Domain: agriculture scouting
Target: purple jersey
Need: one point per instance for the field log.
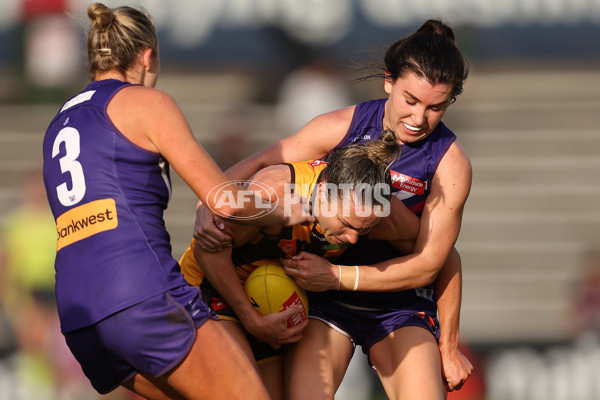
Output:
(411, 174)
(107, 196)
(413, 171)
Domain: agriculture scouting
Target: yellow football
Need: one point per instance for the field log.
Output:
(270, 290)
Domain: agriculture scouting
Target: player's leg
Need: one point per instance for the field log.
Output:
(215, 368)
(315, 366)
(188, 355)
(148, 387)
(408, 364)
(153, 388)
(236, 330)
(271, 372)
(268, 359)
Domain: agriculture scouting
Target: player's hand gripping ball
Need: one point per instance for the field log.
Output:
(271, 290)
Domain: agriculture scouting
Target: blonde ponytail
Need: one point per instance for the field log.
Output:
(117, 36)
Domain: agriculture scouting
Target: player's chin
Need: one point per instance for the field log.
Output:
(334, 240)
(412, 137)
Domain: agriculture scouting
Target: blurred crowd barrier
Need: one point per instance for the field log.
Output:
(558, 372)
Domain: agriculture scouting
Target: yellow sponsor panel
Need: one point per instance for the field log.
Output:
(86, 220)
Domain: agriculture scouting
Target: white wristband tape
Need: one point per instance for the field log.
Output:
(356, 278)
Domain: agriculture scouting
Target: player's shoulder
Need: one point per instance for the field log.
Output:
(457, 157)
(274, 177)
(144, 97)
(454, 172)
(342, 116)
(323, 132)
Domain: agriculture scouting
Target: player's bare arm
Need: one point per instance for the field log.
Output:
(315, 273)
(173, 138)
(433, 241)
(400, 227)
(314, 141)
(456, 368)
(220, 270)
(444, 205)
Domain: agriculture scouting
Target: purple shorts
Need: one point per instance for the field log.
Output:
(151, 337)
(368, 326)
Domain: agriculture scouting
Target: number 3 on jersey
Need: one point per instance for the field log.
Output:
(68, 163)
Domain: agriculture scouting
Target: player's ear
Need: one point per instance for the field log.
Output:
(147, 59)
(322, 192)
(387, 83)
(318, 198)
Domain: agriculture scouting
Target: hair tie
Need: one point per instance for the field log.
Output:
(103, 52)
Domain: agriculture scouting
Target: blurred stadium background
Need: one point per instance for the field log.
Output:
(528, 118)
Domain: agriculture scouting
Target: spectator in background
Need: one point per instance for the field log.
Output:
(312, 89)
(42, 363)
(29, 274)
(234, 128)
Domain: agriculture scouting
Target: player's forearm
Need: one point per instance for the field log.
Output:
(247, 167)
(400, 273)
(221, 273)
(233, 293)
(421, 267)
(448, 289)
